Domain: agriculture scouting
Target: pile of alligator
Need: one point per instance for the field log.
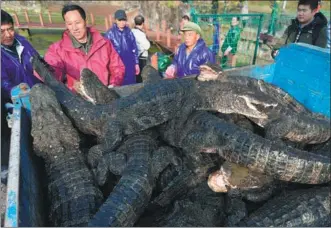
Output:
(206, 150)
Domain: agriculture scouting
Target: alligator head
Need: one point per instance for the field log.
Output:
(209, 72)
(254, 106)
(93, 90)
(150, 75)
(245, 101)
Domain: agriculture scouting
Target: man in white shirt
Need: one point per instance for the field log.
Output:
(143, 43)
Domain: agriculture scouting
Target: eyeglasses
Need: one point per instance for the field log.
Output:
(10, 30)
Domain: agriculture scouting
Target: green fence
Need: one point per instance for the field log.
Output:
(250, 26)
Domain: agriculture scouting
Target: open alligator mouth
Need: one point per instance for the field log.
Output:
(209, 72)
(81, 89)
(262, 108)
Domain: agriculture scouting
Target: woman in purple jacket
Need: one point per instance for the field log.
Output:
(16, 52)
(191, 54)
(125, 44)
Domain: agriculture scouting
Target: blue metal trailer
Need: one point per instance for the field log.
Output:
(301, 70)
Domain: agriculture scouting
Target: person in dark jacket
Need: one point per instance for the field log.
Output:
(191, 54)
(310, 26)
(16, 52)
(124, 42)
(16, 68)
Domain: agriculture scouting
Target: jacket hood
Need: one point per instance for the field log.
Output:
(319, 19)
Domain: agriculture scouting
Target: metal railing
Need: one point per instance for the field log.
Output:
(218, 25)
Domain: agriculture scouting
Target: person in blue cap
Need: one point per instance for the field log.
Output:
(124, 42)
(191, 54)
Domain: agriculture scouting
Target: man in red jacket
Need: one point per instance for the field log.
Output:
(83, 47)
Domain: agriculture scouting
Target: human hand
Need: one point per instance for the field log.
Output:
(137, 69)
(274, 53)
(170, 72)
(226, 53)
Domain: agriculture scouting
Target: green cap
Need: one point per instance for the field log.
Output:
(190, 26)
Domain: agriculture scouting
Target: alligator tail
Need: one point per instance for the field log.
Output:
(73, 195)
(131, 195)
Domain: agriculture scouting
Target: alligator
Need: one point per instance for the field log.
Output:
(115, 162)
(299, 125)
(139, 166)
(150, 75)
(299, 208)
(205, 132)
(93, 90)
(152, 105)
(73, 196)
(289, 120)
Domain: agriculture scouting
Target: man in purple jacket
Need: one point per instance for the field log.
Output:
(16, 52)
(125, 44)
(15, 68)
(191, 54)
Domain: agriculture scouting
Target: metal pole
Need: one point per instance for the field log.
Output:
(258, 38)
(284, 4)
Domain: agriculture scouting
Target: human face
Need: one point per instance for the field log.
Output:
(184, 21)
(305, 14)
(7, 34)
(191, 38)
(76, 25)
(234, 21)
(121, 23)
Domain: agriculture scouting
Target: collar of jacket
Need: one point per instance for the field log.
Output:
(199, 44)
(15, 43)
(77, 44)
(319, 19)
(18, 48)
(97, 41)
(116, 28)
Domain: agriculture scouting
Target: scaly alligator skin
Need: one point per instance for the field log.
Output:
(235, 210)
(115, 162)
(204, 132)
(153, 105)
(200, 207)
(93, 90)
(194, 171)
(131, 195)
(299, 208)
(74, 197)
(290, 119)
(150, 75)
